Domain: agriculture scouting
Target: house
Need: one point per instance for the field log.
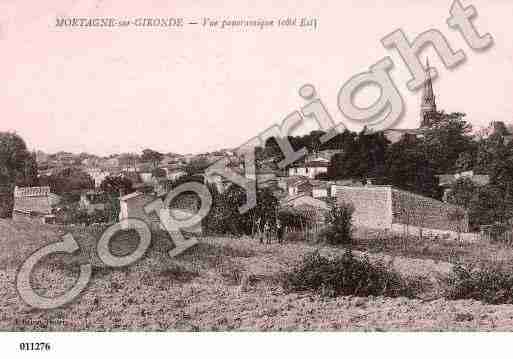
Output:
(497, 128)
(265, 177)
(112, 162)
(35, 201)
(385, 207)
(146, 177)
(298, 185)
(174, 174)
(92, 201)
(396, 134)
(447, 180)
(320, 189)
(133, 177)
(325, 154)
(133, 204)
(310, 168)
(302, 200)
(65, 158)
(313, 207)
(168, 160)
(344, 183)
(98, 175)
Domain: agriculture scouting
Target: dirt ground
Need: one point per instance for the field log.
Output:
(220, 284)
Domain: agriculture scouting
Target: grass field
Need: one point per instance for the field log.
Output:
(233, 284)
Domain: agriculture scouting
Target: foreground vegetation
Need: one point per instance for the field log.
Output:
(350, 275)
(227, 283)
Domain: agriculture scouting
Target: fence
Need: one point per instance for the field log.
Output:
(496, 232)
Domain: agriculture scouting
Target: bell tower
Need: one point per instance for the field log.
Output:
(428, 104)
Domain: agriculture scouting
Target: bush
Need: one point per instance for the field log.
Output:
(348, 275)
(340, 230)
(490, 284)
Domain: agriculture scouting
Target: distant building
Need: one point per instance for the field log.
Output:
(428, 113)
(495, 128)
(320, 189)
(297, 185)
(302, 200)
(91, 201)
(35, 201)
(174, 174)
(313, 207)
(428, 110)
(310, 168)
(446, 181)
(98, 175)
(325, 154)
(146, 177)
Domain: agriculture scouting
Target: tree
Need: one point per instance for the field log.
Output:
(363, 156)
(224, 216)
(17, 167)
(340, 220)
(487, 206)
(465, 162)
(158, 173)
(408, 168)
(68, 180)
(149, 155)
(196, 166)
(114, 185)
(461, 193)
(128, 159)
(449, 136)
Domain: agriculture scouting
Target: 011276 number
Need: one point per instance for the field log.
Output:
(35, 346)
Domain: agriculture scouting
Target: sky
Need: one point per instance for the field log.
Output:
(193, 89)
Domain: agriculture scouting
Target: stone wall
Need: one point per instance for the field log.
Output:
(415, 210)
(372, 205)
(381, 207)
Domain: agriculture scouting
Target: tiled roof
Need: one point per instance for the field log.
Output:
(449, 179)
(32, 191)
(291, 181)
(130, 195)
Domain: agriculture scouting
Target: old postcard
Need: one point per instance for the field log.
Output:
(242, 166)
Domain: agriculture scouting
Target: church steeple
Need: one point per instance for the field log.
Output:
(428, 105)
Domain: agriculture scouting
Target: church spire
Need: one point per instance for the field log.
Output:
(428, 105)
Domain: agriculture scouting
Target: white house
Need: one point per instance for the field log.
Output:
(98, 175)
(310, 168)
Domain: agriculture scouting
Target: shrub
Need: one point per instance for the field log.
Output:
(491, 284)
(339, 218)
(347, 275)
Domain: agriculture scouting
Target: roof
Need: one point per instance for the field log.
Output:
(320, 184)
(32, 191)
(130, 196)
(318, 162)
(132, 176)
(449, 179)
(144, 167)
(295, 180)
(302, 201)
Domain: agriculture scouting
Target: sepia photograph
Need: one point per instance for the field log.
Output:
(319, 169)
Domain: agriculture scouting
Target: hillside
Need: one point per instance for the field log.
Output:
(221, 284)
